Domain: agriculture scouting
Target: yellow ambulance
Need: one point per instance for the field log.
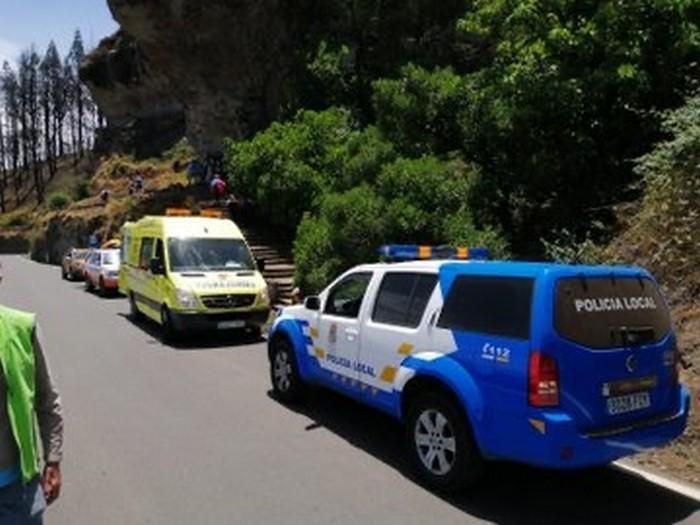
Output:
(192, 273)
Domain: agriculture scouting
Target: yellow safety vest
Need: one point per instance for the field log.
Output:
(18, 367)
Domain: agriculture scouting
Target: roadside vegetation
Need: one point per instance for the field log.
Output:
(511, 124)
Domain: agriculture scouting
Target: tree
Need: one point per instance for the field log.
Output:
(10, 89)
(68, 123)
(568, 98)
(75, 58)
(50, 87)
(30, 116)
(3, 168)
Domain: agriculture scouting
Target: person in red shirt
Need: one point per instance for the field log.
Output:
(219, 187)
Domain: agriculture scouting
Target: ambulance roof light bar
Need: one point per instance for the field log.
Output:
(413, 252)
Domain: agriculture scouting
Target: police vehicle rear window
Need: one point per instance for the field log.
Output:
(402, 298)
(610, 312)
(498, 306)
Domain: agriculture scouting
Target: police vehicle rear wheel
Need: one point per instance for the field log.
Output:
(286, 382)
(440, 443)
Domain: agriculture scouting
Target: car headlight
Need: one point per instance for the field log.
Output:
(186, 299)
(264, 295)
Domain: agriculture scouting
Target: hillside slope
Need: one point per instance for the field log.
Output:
(662, 233)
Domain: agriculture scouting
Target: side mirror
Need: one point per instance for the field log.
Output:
(312, 303)
(157, 267)
(260, 263)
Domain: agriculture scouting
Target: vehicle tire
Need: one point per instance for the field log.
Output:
(284, 372)
(64, 274)
(134, 313)
(170, 333)
(88, 284)
(440, 443)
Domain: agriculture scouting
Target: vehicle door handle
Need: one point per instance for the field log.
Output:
(351, 334)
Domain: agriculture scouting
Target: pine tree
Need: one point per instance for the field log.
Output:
(29, 116)
(76, 56)
(3, 167)
(10, 89)
(50, 87)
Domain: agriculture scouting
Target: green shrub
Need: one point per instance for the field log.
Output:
(347, 231)
(421, 194)
(287, 167)
(59, 200)
(315, 262)
(460, 231)
(14, 220)
(81, 190)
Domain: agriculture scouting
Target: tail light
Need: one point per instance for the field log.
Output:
(543, 381)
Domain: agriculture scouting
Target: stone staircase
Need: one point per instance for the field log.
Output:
(279, 266)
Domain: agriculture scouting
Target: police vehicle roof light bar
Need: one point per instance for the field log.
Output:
(412, 252)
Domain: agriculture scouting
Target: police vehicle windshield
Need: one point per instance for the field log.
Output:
(208, 255)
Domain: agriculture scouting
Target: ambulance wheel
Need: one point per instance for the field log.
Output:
(440, 443)
(284, 373)
(134, 312)
(170, 333)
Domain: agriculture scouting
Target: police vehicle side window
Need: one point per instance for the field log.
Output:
(402, 298)
(146, 253)
(498, 306)
(345, 299)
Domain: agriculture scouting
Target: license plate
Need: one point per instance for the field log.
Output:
(228, 325)
(628, 403)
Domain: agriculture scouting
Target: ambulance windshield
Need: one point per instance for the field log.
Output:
(208, 255)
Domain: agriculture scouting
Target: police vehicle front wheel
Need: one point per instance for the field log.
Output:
(284, 374)
(441, 444)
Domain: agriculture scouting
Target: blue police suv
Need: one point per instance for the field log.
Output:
(553, 365)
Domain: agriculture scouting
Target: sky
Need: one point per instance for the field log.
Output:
(27, 22)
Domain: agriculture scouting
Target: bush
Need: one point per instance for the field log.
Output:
(347, 231)
(422, 194)
(59, 200)
(287, 167)
(81, 190)
(14, 220)
(351, 226)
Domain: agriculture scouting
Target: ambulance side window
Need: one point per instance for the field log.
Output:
(146, 253)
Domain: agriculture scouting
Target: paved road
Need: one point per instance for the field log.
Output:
(162, 435)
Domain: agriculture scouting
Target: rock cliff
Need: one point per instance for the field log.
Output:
(227, 68)
(221, 63)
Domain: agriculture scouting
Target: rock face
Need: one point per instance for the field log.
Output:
(143, 117)
(226, 64)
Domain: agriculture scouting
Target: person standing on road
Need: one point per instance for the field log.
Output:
(27, 393)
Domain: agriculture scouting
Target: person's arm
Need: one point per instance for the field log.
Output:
(50, 417)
